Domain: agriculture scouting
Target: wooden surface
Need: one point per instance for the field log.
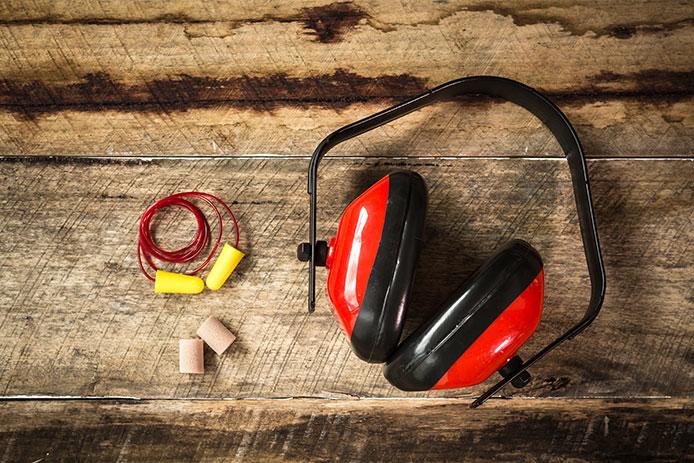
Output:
(325, 430)
(106, 106)
(82, 320)
(107, 77)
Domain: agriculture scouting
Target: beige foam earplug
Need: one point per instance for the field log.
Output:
(216, 335)
(190, 356)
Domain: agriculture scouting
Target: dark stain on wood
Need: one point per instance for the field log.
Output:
(664, 83)
(650, 85)
(627, 31)
(327, 23)
(99, 21)
(99, 91)
(330, 22)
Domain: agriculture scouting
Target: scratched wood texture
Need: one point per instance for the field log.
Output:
(80, 319)
(210, 77)
(350, 430)
(245, 92)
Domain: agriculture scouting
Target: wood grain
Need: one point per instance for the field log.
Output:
(119, 78)
(248, 89)
(347, 430)
(78, 319)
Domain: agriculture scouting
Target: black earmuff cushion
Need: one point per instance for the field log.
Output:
(381, 316)
(426, 355)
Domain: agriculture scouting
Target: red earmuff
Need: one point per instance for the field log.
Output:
(480, 327)
(371, 265)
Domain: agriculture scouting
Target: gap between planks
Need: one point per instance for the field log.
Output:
(281, 157)
(342, 397)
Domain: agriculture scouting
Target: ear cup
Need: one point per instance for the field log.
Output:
(381, 317)
(478, 329)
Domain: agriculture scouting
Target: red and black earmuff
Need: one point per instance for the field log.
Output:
(372, 260)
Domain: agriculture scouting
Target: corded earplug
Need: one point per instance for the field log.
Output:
(225, 264)
(169, 282)
(148, 252)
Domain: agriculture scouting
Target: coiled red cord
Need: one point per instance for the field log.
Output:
(147, 248)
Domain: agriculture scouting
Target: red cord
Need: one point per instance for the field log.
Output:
(147, 248)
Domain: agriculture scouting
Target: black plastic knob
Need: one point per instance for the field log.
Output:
(303, 252)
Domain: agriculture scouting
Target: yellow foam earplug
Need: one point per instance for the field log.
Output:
(227, 261)
(169, 282)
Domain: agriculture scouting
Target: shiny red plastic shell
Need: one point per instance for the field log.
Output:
(500, 341)
(352, 252)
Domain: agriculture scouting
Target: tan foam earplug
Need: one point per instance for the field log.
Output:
(190, 356)
(216, 335)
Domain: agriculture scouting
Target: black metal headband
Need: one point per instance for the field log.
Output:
(562, 130)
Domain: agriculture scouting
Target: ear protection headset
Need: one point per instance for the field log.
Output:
(372, 259)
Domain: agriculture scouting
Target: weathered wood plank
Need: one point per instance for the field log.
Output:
(620, 18)
(348, 430)
(77, 318)
(185, 78)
